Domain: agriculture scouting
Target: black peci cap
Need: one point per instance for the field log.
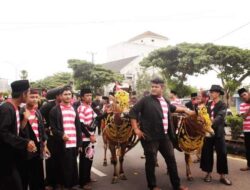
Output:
(105, 98)
(34, 91)
(52, 93)
(20, 85)
(193, 95)
(85, 91)
(157, 80)
(173, 92)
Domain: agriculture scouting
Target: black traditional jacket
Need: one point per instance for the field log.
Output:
(10, 141)
(149, 110)
(45, 109)
(56, 123)
(219, 114)
(27, 132)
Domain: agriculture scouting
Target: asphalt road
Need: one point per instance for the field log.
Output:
(134, 170)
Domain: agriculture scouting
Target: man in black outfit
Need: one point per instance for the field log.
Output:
(156, 132)
(97, 107)
(66, 129)
(192, 104)
(53, 99)
(217, 112)
(10, 141)
(32, 127)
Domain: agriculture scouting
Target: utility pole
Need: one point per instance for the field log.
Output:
(92, 56)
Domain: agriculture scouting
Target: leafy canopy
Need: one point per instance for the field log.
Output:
(232, 64)
(56, 80)
(88, 74)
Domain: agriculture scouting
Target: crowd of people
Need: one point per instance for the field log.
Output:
(60, 129)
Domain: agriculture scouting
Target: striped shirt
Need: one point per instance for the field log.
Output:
(176, 102)
(69, 116)
(164, 107)
(86, 115)
(34, 123)
(212, 109)
(17, 121)
(244, 107)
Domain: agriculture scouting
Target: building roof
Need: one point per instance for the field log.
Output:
(117, 65)
(148, 34)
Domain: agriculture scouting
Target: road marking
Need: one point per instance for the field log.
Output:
(94, 170)
(98, 172)
(237, 159)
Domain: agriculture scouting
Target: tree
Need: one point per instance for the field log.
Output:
(101, 77)
(181, 89)
(81, 72)
(176, 63)
(86, 74)
(56, 80)
(231, 64)
(24, 74)
(143, 83)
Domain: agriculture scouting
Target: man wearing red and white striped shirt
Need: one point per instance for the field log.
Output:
(156, 132)
(32, 127)
(65, 125)
(174, 100)
(87, 116)
(245, 113)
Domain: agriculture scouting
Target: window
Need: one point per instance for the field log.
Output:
(129, 77)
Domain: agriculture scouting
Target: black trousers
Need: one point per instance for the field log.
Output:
(166, 149)
(31, 172)
(207, 155)
(85, 165)
(247, 145)
(99, 121)
(51, 164)
(11, 181)
(68, 173)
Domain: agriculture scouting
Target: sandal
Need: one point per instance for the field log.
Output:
(245, 169)
(208, 178)
(225, 181)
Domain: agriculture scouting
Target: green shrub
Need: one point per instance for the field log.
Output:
(235, 123)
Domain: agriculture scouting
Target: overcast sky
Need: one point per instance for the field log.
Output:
(40, 36)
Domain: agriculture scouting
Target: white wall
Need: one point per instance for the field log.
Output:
(125, 50)
(133, 69)
(151, 41)
(4, 85)
(139, 47)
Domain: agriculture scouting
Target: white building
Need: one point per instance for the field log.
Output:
(139, 45)
(4, 87)
(125, 57)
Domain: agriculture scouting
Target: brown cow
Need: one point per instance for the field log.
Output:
(191, 131)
